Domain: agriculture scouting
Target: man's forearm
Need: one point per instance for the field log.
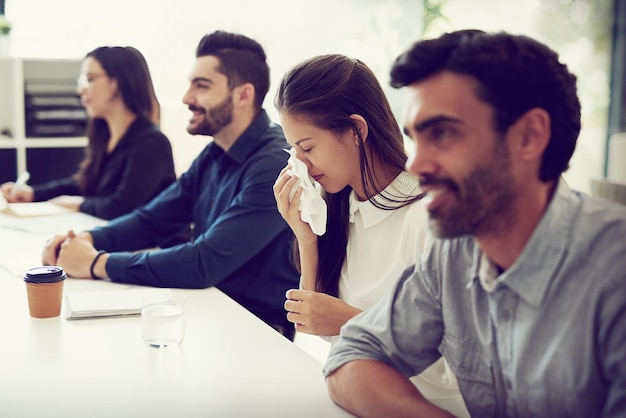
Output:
(369, 388)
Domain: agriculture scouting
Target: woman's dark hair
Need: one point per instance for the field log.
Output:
(515, 74)
(128, 67)
(327, 90)
(242, 60)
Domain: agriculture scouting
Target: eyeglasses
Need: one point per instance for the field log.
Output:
(85, 80)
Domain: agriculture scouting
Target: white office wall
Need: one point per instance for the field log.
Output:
(374, 31)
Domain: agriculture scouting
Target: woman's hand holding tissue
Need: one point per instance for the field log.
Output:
(288, 194)
(311, 205)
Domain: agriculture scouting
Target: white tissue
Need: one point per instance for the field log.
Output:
(312, 206)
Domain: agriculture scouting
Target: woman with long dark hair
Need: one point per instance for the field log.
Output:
(128, 160)
(336, 117)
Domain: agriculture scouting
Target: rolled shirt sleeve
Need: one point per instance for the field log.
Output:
(380, 332)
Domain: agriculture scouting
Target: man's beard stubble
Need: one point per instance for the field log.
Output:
(482, 199)
(215, 119)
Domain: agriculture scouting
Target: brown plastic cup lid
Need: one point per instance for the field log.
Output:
(45, 274)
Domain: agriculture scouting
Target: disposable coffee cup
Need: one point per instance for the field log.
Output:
(44, 287)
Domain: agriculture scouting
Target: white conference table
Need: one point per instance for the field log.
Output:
(231, 364)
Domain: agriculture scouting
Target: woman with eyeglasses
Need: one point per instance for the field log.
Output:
(128, 160)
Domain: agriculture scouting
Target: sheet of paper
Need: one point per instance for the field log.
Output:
(51, 224)
(20, 251)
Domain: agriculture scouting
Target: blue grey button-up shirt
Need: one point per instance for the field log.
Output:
(548, 341)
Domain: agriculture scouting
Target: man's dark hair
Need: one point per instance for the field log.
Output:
(515, 74)
(242, 60)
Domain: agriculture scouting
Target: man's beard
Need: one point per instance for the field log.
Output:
(215, 119)
(482, 198)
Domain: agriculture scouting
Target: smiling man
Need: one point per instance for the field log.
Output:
(524, 295)
(240, 242)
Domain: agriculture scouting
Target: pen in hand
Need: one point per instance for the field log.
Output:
(21, 181)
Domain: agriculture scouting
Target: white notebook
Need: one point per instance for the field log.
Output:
(112, 303)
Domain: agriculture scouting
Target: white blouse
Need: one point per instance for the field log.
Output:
(382, 243)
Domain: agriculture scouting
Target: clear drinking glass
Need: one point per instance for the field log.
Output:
(163, 323)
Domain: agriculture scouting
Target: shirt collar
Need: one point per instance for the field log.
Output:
(249, 139)
(135, 126)
(488, 273)
(403, 186)
(542, 256)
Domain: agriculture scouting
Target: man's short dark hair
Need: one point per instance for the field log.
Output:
(515, 74)
(242, 60)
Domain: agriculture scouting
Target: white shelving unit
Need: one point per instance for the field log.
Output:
(15, 75)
